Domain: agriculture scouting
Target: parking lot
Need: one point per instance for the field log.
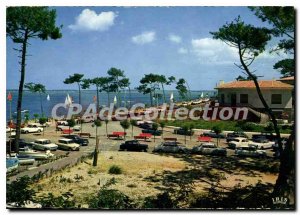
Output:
(112, 144)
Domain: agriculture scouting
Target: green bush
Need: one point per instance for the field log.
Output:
(114, 169)
(65, 201)
(19, 191)
(161, 201)
(110, 198)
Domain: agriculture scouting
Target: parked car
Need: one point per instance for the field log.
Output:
(44, 144)
(238, 142)
(35, 154)
(77, 128)
(47, 124)
(209, 149)
(153, 132)
(62, 127)
(213, 134)
(62, 122)
(77, 139)
(262, 144)
(133, 145)
(32, 129)
(68, 144)
(231, 136)
(145, 126)
(249, 151)
(170, 147)
(181, 131)
(8, 129)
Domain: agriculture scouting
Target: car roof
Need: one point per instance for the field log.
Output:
(65, 139)
(41, 139)
(207, 144)
(240, 138)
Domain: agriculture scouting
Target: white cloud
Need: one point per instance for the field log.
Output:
(174, 38)
(89, 20)
(209, 50)
(143, 38)
(182, 51)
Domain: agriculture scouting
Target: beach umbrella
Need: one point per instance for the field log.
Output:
(171, 97)
(48, 97)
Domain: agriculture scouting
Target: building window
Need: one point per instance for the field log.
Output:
(244, 98)
(276, 99)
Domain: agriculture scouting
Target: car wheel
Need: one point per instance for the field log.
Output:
(26, 132)
(39, 131)
(145, 150)
(262, 148)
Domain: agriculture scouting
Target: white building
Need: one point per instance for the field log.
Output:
(277, 94)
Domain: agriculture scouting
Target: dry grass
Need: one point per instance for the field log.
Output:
(137, 168)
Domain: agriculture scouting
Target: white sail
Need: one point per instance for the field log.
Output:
(115, 100)
(68, 101)
(171, 97)
(202, 95)
(48, 97)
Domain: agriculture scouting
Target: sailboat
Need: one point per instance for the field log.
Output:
(68, 101)
(48, 97)
(172, 98)
(115, 100)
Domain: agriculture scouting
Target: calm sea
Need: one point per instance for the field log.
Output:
(31, 101)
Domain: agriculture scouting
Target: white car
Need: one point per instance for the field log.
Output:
(263, 144)
(47, 124)
(249, 151)
(62, 127)
(62, 123)
(35, 154)
(44, 144)
(8, 129)
(68, 144)
(32, 129)
(209, 149)
(238, 142)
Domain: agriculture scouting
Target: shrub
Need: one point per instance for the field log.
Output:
(19, 191)
(64, 201)
(110, 198)
(162, 200)
(114, 169)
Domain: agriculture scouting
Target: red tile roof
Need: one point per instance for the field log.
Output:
(270, 84)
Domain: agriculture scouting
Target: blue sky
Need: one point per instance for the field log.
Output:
(139, 40)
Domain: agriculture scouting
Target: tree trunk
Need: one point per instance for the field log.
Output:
(20, 94)
(162, 86)
(151, 99)
(79, 93)
(97, 99)
(131, 130)
(95, 160)
(129, 97)
(106, 128)
(287, 160)
(108, 99)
